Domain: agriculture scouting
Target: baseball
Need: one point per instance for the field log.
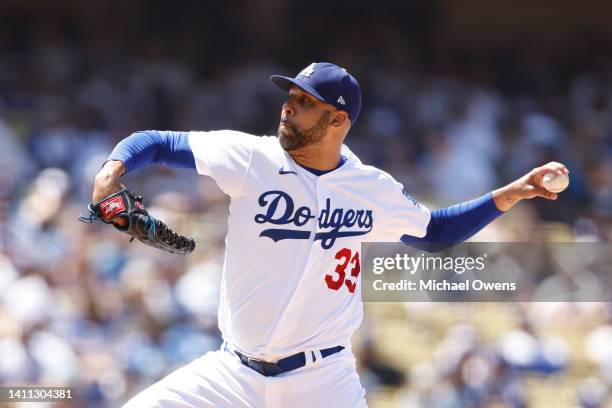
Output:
(555, 184)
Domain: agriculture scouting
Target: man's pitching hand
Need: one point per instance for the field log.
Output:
(528, 186)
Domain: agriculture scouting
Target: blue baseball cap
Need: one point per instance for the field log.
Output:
(328, 83)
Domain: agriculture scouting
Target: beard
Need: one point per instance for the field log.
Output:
(293, 138)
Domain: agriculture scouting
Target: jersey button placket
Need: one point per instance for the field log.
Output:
(323, 196)
(289, 320)
(320, 205)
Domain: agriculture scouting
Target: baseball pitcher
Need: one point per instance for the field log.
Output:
(301, 204)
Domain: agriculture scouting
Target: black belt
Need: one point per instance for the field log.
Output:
(284, 365)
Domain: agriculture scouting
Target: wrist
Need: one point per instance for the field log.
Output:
(506, 197)
(107, 180)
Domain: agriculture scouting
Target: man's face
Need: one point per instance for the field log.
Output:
(304, 120)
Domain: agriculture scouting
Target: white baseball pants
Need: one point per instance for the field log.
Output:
(219, 379)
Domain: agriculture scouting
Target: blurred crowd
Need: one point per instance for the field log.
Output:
(497, 355)
(80, 305)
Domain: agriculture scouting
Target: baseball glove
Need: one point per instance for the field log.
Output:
(138, 223)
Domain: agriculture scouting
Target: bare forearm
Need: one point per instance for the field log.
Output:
(506, 197)
(107, 180)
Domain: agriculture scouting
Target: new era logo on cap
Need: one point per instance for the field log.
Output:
(328, 83)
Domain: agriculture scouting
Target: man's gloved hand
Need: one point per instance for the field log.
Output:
(126, 212)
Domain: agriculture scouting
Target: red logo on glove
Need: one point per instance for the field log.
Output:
(139, 205)
(112, 207)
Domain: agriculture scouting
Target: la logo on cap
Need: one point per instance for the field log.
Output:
(341, 101)
(307, 72)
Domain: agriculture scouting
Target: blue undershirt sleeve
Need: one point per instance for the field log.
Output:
(154, 147)
(454, 224)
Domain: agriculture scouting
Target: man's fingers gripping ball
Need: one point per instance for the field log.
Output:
(125, 211)
(548, 180)
(555, 183)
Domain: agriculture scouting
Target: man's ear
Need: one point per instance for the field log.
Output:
(339, 118)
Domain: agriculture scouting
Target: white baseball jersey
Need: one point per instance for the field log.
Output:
(291, 274)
